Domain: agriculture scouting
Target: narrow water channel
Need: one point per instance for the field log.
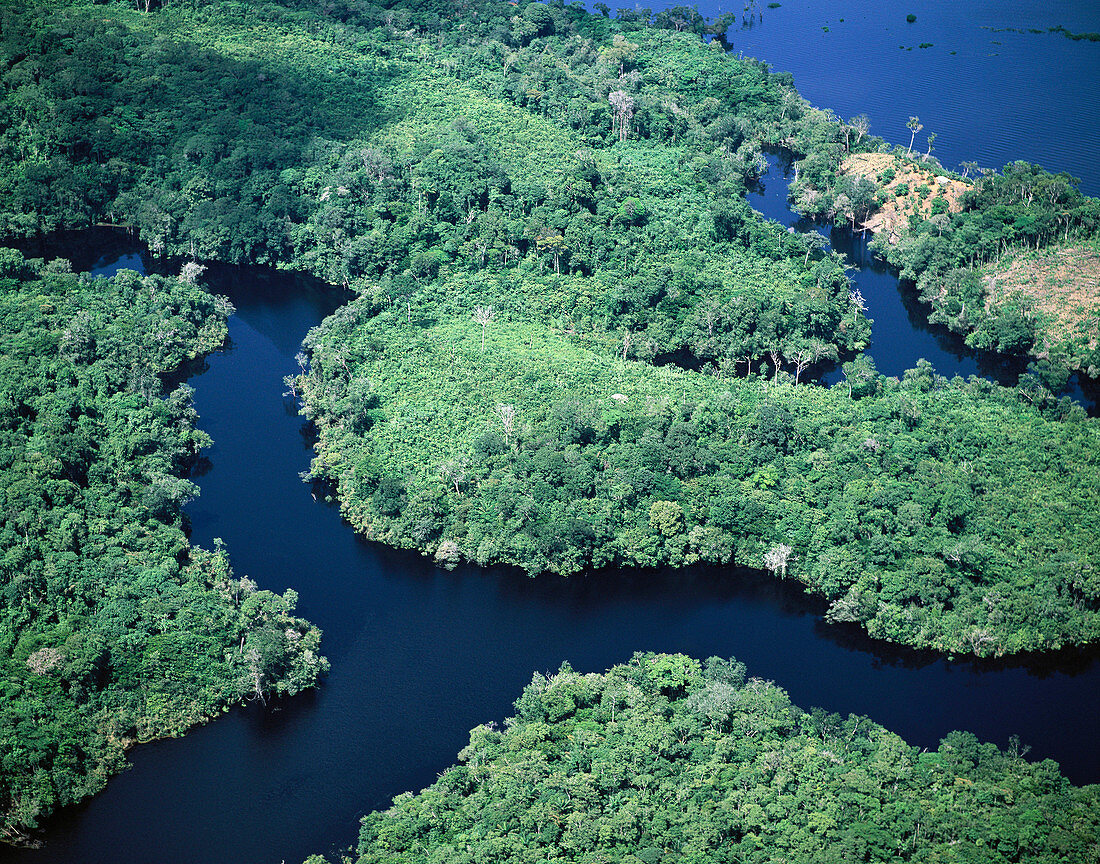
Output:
(420, 656)
(902, 334)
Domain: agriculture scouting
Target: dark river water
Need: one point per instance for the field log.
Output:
(420, 656)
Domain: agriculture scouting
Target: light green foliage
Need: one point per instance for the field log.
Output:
(112, 629)
(667, 759)
(413, 151)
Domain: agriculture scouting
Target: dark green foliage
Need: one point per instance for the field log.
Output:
(666, 759)
(118, 117)
(533, 204)
(112, 629)
(1077, 37)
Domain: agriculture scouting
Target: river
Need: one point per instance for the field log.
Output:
(420, 656)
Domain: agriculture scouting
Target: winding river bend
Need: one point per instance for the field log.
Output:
(421, 656)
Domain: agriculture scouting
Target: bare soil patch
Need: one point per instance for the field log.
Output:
(1062, 287)
(904, 196)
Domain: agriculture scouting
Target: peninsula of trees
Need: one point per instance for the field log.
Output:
(499, 407)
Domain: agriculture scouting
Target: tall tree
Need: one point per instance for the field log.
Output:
(914, 125)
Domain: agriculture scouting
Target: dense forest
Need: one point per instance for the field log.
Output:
(668, 759)
(113, 629)
(554, 177)
(573, 346)
(394, 159)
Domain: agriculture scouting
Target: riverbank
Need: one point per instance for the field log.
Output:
(666, 756)
(116, 630)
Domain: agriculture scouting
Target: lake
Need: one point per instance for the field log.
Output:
(992, 96)
(420, 656)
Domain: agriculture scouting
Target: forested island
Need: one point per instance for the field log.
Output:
(572, 346)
